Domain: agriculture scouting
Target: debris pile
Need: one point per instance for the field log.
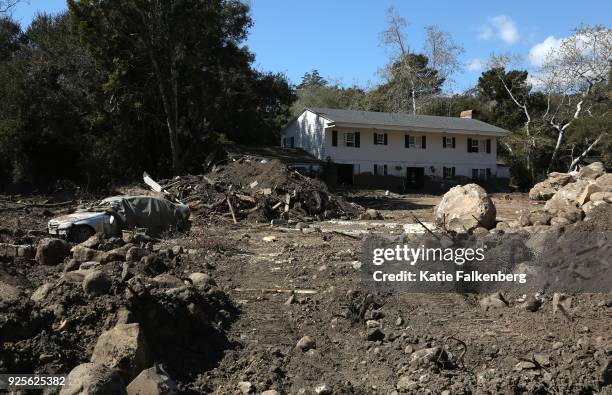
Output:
(255, 189)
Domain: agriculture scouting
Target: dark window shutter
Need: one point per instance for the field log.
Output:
(443, 171)
(488, 146)
(443, 142)
(385, 169)
(375, 134)
(292, 141)
(469, 145)
(453, 168)
(386, 141)
(406, 141)
(375, 169)
(423, 142)
(453, 144)
(357, 139)
(334, 138)
(488, 173)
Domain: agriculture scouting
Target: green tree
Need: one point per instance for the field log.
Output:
(179, 51)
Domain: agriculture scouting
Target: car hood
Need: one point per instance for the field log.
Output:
(77, 216)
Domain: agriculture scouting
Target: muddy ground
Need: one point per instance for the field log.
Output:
(298, 283)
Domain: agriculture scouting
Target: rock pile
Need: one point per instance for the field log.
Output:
(569, 197)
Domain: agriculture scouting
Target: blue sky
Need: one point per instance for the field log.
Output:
(341, 38)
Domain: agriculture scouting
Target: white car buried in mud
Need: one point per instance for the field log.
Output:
(114, 214)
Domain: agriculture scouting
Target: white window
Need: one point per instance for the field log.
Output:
(349, 139)
(449, 172)
(379, 138)
(474, 145)
(380, 170)
(481, 174)
(414, 142)
(448, 142)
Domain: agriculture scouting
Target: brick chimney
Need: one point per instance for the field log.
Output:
(466, 114)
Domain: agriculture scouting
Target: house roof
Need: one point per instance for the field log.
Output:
(402, 121)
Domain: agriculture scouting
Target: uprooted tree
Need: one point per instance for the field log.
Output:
(570, 98)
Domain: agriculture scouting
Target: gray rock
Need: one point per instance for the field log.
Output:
(306, 343)
(546, 189)
(561, 302)
(371, 214)
(428, 356)
(201, 279)
(592, 171)
(96, 282)
(93, 379)
(42, 292)
(495, 300)
(90, 265)
(152, 381)
(52, 251)
(323, 389)
(94, 241)
(270, 392)
(84, 254)
(166, 280)
(246, 387)
(71, 265)
(123, 348)
(406, 384)
(464, 208)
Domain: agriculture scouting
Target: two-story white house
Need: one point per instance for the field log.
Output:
(394, 144)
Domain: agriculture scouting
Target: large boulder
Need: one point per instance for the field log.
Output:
(152, 381)
(592, 171)
(93, 379)
(546, 189)
(123, 348)
(604, 182)
(52, 251)
(96, 282)
(464, 208)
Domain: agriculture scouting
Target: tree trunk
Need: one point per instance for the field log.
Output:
(170, 102)
(555, 151)
(585, 152)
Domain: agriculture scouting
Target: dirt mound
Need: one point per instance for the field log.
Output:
(256, 189)
(49, 322)
(600, 220)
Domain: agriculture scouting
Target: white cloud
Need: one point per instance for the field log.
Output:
(475, 65)
(539, 52)
(502, 27)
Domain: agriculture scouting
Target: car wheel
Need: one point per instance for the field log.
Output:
(79, 234)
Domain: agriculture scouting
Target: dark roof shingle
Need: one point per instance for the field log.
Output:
(352, 117)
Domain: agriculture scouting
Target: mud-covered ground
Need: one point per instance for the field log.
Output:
(272, 286)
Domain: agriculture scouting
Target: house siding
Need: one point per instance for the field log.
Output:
(395, 155)
(308, 131)
(312, 132)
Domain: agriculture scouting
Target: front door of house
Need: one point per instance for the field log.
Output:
(415, 177)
